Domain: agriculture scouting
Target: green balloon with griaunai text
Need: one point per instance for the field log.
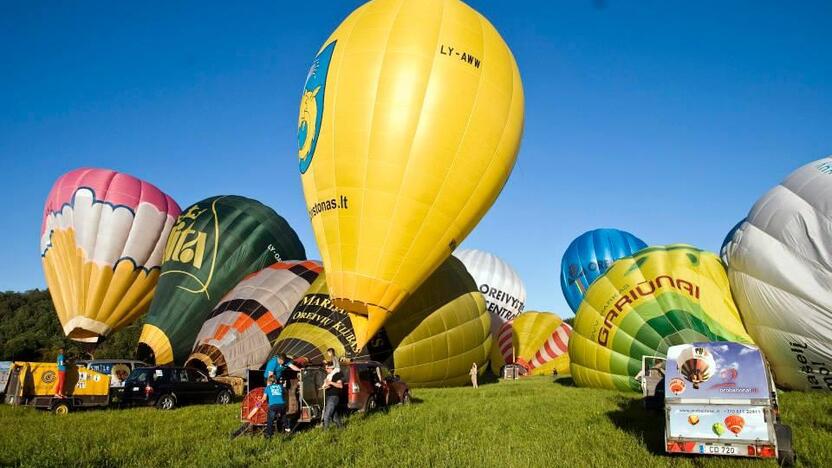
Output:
(214, 244)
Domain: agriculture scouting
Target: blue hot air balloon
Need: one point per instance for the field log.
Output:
(589, 256)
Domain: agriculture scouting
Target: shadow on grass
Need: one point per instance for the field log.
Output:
(415, 401)
(487, 378)
(648, 426)
(566, 382)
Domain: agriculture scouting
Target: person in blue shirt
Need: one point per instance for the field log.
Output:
(59, 387)
(277, 406)
(276, 365)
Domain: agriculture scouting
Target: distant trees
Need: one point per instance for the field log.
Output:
(30, 331)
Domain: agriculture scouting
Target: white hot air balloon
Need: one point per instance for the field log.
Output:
(780, 269)
(505, 293)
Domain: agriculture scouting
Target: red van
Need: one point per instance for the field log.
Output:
(372, 386)
(369, 385)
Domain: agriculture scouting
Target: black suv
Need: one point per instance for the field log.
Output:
(168, 387)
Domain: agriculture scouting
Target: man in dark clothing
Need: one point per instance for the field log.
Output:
(332, 387)
(277, 406)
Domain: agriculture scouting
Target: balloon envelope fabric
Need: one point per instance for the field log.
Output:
(245, 325)
(589, 256)
(780, 268)
(659, 297)
(215, 243)
(504, 291)
(101, 246)
(409, 125)
(444, 329)
(539, 341)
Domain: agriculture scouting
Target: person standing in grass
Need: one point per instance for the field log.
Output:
(332, 392)
(277, 406)
(59, 387)
(473, 373)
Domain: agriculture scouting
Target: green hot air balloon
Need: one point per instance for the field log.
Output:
(659, 297)
(214, 244)
(431, 341)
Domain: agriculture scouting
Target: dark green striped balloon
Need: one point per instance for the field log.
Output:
(214, 244)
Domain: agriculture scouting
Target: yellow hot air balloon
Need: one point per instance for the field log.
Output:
(539, 341)
(409, 125)
(442, 329)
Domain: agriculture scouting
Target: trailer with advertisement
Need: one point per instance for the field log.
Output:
(719, 399)
(34, 384)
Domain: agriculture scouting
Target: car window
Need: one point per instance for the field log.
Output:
(161, 375)
(180, 375)
(385, 374)
(139, 376)
(365, 374)
(196, 376)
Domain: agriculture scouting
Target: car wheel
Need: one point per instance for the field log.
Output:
(370, 405)
(406, 398)
(61, 408)
(224, 397)
(166, 402)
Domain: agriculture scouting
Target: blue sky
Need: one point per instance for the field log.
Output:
(666, 119)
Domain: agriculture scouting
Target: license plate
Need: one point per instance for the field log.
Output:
(720, 449)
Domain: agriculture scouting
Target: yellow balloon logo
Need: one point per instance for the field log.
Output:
(311, 107)
(307, 125)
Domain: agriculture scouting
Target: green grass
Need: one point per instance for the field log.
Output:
(526, 423)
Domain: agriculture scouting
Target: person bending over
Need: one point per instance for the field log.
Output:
(276, 365)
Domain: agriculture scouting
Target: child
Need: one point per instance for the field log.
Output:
(59, 387)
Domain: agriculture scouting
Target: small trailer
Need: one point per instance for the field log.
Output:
(513, 371)
(33, 384)
(304, 400)
(719, 399)
(310, 397)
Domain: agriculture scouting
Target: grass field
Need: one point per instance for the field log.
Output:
(526, 423)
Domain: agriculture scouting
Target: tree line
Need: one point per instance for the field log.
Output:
(30, 331)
